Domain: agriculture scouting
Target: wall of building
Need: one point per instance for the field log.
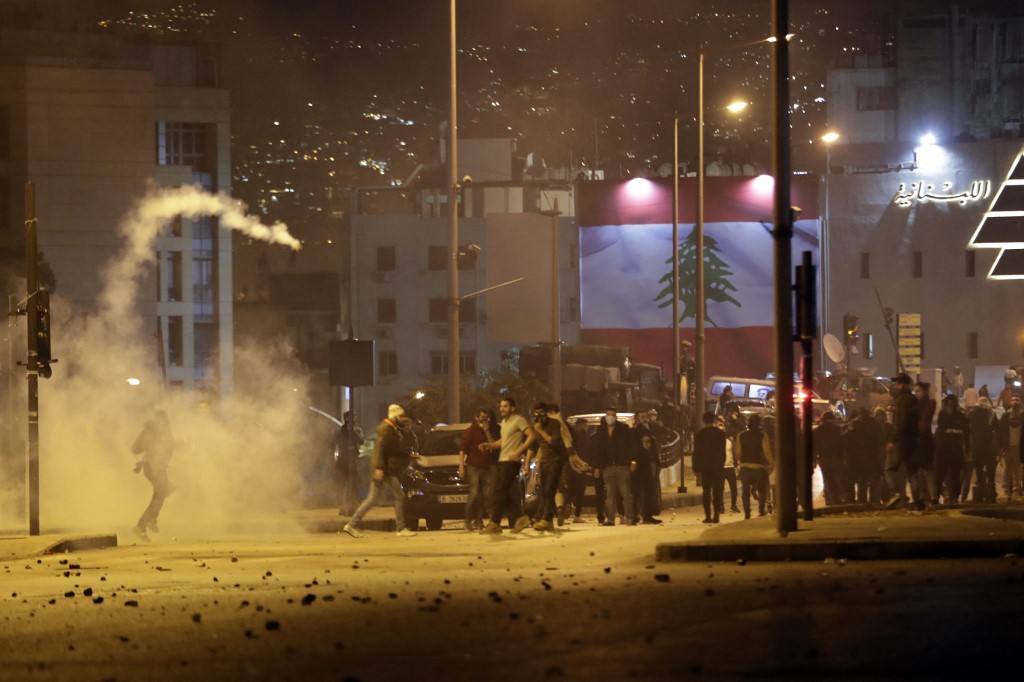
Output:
(413, 337)
(873, 241)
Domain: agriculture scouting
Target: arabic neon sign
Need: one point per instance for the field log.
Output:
(922, 192)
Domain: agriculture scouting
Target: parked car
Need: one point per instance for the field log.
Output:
(433, 490)
(755, 391)
(849, 393)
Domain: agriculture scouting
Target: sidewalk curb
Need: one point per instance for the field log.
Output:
(77, 544)
(839, 549)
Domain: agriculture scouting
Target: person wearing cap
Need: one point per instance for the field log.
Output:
(389, 460)
(901, 463)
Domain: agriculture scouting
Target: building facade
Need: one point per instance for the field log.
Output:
(92, 121)
(400, 282)
(921, 206)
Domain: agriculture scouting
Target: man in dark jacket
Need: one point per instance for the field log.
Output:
(389, 460)
(901, 455)
(709, 462)
(345, 452)
(155, 444)
(983, 451)
(864, 446)
(643, 481)
(952, 446)
(828, 446)
(614, 460)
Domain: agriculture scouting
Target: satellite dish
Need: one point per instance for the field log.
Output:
(833, 348)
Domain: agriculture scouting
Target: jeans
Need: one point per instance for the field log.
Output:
(644, 486)
(617, 488)
(395, 486)
(550, 478)
(754, 478)
(478, 505)
(729, 475)
(506, 493)
(1011, 473)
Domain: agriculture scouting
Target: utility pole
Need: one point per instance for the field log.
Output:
(31, 306)
(556, 321)
(454, 377)
(785, 422)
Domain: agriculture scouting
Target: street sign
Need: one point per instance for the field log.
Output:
(910, 341)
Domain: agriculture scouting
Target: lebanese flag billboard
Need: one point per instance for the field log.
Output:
(626, 267)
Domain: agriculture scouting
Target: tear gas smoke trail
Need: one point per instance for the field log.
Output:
(244, 452)
(152, 213)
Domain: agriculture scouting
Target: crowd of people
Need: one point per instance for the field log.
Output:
(498, 453)
(942, 453)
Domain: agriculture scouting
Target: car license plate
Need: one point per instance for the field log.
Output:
(452, 499)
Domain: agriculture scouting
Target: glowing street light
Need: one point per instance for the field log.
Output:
(132, 381)
(830, 137)
(736, 107)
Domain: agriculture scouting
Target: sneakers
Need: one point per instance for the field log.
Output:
(351, 530)
(577, 519)
(406, 533)
(491, 529)
(734, 509)
(652, 520)
(542, 525)
(140, 533)
(521, 523)
(707, 519)
(893, 501)
(561, 515)
(607, 523)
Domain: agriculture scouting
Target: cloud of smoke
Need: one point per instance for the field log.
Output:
(241, 454)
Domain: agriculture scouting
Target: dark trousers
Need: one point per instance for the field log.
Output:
(577, 487)
(985, 473)
(506, 493)
(949, 468)
(599, 497)
(713, 485)
(832, 476)
(345, 484)
(644, 488)
(162, 487)
(754, 479)
(550, 477)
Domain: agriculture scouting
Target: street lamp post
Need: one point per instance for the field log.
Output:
(454, 377)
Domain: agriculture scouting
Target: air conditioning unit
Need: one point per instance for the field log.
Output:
(382, 277)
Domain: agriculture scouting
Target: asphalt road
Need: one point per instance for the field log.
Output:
(587, 603)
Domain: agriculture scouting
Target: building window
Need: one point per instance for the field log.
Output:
(865, 265)
(437, 258)
(570, 311)
(969, 263)
(387, 363)
(387, 311)
(205, 347)
(175, 342)
(385, 259)
(876, 98)
(918, 264)
(184, 144)
(972, 345)
(173, 276)
(438, 310)
(439, 363)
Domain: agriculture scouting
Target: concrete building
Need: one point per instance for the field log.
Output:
(929, 226)
(399, 272)
(92, 120)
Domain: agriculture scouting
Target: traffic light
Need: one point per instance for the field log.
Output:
(850, 329)
(43, 350)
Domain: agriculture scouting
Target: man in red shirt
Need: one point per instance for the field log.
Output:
(476, 462)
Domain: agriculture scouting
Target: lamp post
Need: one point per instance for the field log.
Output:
(828, 138)
(453, 238)
(698, 359)
(556, 337)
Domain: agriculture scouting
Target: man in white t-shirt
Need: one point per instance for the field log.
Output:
(516, 437)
